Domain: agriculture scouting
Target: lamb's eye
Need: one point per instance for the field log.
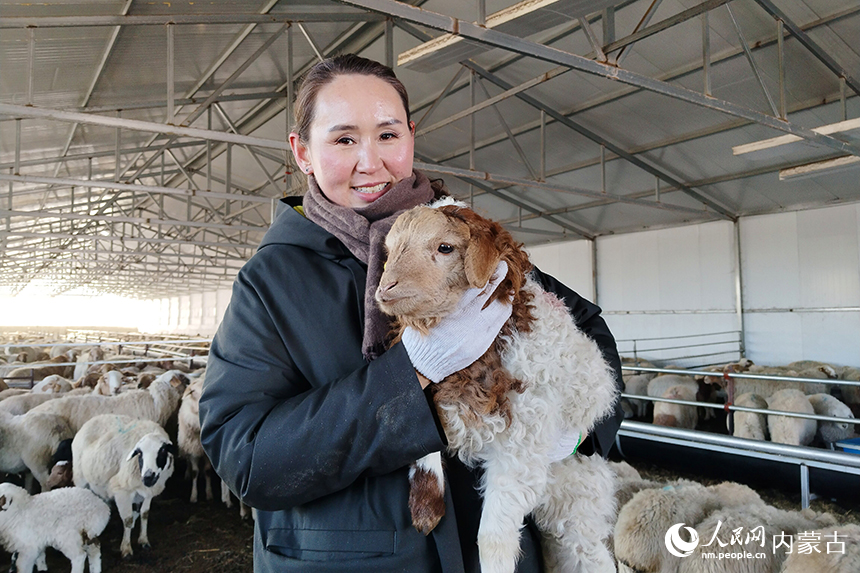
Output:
(445, 248)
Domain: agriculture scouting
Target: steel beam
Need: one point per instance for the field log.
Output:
(549, 54)
(8, 253)
(496, 178)
(123, 239)
(96, 184)
(810, 45)
(21, 22)
(751, 61)
(609, 145)
(56, 215)
(22, 111)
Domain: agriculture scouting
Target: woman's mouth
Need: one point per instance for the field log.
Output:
(371, 189)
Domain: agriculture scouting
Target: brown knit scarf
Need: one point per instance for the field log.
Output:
(363, 232)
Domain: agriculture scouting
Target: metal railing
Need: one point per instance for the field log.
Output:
(689, 351)
(805, 457)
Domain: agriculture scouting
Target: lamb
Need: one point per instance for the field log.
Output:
(20, 404)
(192, 450)
(827, 405)
(124, 459)
(658, 385)
(638, 547)
(844, 557)
(747, 424)
(69, 520)
(158, 403)
(677, 415)
(791, 430)
(541, 380)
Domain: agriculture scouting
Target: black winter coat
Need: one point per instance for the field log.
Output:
(302, 428)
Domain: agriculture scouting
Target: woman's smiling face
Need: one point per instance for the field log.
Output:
(360, 142)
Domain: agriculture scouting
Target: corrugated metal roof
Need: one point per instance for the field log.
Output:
(158, 241)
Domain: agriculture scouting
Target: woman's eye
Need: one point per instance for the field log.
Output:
(344, 140)
(445, 248)
(387, 136)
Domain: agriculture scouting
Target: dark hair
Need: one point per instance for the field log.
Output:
(326, 71)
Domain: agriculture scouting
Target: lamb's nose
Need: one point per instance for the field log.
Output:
(383, 293)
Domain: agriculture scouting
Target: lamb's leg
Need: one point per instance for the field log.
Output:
(78, 560)
(94, 554)
(41, 562)
(207, 476)
(243, 511)
(126, 513)
(27, 559)
(143, 539)
(576, 515)
(427, 492)
(512, 486)
(194, 464)
(225, 495)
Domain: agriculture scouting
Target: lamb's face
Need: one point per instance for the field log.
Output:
(424, 275)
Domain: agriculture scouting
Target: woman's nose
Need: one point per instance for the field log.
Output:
(369, 159)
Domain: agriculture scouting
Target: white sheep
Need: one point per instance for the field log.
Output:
(638, 385)
(839, 552)
(28, 442)
(748, 424)
(552, 382)
(644, 520)
(791, 430)
(158, 403)
(19, 404)
(658, 385)
(125, 459)
(677, 415)
(69, 520)
(53, 384)
(827, 405)
(85, 360)
(191, 449)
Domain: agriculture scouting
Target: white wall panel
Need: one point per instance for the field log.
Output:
(569, 262)
(794, 265)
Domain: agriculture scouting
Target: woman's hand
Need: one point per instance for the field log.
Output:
(461, 337)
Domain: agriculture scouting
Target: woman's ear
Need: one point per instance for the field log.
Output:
(412, 128)
(301, 153)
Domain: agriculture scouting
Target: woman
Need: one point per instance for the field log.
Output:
(304, 413)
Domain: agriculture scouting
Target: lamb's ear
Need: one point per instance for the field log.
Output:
(3, 504)
(135, 452)
(481, 258)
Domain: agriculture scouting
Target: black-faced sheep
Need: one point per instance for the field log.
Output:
(69, 519)
(127, 460)
(542, 380)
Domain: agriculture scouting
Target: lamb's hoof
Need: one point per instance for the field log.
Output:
(146, 547)
(127, 556)
(426, 512)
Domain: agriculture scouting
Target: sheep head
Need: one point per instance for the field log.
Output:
(435, 254)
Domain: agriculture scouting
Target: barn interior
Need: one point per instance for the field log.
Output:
(691, 166)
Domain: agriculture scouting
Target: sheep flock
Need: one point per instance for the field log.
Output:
(94, 442)
(90, 432)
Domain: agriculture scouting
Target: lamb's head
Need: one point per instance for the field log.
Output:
(192, 395)
(11, 497)
(154, 456)
(436, 253)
